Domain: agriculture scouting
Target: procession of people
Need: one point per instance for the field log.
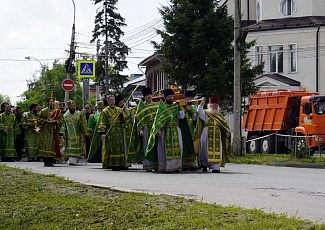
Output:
(164, 136)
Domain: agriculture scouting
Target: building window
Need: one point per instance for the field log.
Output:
(276, 59)
(288, 7)
(259, 55)
(293, 58)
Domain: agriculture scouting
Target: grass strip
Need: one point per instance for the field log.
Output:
(36, 201)
(270, 159)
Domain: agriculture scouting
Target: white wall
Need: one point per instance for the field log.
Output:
(306, 44)
(319, 8)
(270, 9)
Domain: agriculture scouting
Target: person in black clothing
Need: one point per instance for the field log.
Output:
(62, 107)
(88, 140)
(19, 140)
(3, 106)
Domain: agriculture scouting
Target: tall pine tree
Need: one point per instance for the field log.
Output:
(198, 47)
(109, 23)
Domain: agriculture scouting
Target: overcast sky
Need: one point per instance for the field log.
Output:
(42, 29)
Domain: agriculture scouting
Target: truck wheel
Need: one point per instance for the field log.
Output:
(267, 145)
(301, 148)
(254, 145)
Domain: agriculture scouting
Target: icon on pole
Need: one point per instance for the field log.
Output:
(86, 68)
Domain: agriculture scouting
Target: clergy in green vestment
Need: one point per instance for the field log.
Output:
(73, 129)
(95, 151)
(8, 131)
(111, 129)
(169, 136)
(127, 131)
(144, 118)
(212, 137)
(135, 153)
(187, 126)
(49, 121)
(29, 124)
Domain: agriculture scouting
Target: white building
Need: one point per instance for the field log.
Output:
(290, 40)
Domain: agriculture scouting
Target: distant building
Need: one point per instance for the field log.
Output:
(156, 79)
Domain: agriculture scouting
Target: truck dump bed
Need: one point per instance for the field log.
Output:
(273, 110)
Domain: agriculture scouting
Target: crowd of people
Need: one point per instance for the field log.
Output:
(164, 136)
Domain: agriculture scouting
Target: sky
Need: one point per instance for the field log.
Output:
(42, 30)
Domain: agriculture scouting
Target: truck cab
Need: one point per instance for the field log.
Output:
(311, 122)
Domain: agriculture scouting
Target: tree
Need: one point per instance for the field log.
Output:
(197, 45)
(40, 89)
(4, 98)
(108, 24)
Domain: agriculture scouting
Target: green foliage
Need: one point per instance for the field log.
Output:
(40, 89)
(4, 98)
(114, 51)
(92, 100)
(35, 201)
(197, 45)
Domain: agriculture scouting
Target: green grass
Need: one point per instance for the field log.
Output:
(36, 201)
(271, 159)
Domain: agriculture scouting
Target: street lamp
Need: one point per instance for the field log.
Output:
(42, 73)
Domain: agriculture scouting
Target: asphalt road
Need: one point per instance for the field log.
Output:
(299, 192)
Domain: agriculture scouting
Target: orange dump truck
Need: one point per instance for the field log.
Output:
(282, 119)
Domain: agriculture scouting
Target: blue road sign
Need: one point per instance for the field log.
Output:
(86, 68)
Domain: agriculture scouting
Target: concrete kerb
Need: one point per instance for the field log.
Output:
(315, 166)
(123, 190)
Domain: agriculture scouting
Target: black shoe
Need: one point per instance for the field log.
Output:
(215, 171)
(48, 165)
(193, 169)
(204, 169)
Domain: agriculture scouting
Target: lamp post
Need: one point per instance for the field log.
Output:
(69, 66)
(42, 73)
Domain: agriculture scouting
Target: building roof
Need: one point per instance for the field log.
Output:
(156, 57)
(288, 23)
(140, 80)
(281, 78)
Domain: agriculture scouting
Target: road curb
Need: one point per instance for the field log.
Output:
(316, 166)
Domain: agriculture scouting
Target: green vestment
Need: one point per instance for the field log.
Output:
(144, 119)
(169, 145)
(49, 145)
(133, 140)
(7, 140)
(29, 124)
(73, 128)
(111, 123)
(95, 151)
(189, 158)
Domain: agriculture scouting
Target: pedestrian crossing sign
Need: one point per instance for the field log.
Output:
(86, 68)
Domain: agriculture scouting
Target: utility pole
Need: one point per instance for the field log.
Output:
(237, 146)
(70, 68)
(106, 52)
(98, 59)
